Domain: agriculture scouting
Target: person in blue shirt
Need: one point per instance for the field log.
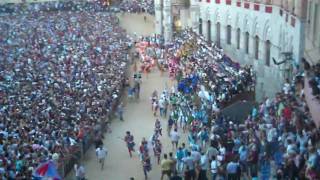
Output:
(243, 156)
(278, 157)
(254, 113)
(204, 137)
(181, 85)
(170, 124)
(265, 168)
(179, 155)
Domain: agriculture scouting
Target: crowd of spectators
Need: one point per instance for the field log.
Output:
(21, 8)
(314, 74)
(278, 140)
(137, 6)
(193, 63)
(60, 74)
(192, 59)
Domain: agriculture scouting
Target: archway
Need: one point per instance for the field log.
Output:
(229, 34)
(218, 35)
(246, 45)
(209, 30)
(268, 52)
(238, 38)
(256, 47)
(200, 26)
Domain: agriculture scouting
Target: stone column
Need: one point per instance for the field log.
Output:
(167, 20)
(195, 15)
(158, 14)
(301, 8)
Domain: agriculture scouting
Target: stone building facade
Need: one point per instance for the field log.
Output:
(267, 35)
(312, 38)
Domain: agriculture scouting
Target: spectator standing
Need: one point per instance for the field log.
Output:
(179, 155)
(173, 162)
(189, 162)
(203, 166)
(120, 110)
(79, 172)
(265, 169)
(101, 153)
(166, 166)
(232, 170)
(215, 164)
(170, 124)
(174, 136)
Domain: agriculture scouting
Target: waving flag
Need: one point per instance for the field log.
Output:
(47, 170)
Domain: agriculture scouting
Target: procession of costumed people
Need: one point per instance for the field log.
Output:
(189, 58)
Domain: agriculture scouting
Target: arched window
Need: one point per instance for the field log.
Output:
(246, 45)
(268, 52)
(200, 26)
(209, 31)
(228, 34)
(238, 38)
(218, 35)
(256, 51)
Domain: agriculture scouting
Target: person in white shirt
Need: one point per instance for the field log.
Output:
(214, 167)
(101, 154)
(196, 155)
(286, 87)
(79, 171)
(222, 149)
(174, 136)
(189, 164)
(204, 166)
(161, 106)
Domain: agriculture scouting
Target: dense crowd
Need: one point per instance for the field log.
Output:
(61, 72)
(204, 69)
(314, 73)
(198, 67)
(80, 5)
(278, 140)
(137, 6)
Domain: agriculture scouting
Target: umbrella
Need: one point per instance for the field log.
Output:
(47, 170)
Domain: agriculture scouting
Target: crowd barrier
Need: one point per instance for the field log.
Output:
(76, 152)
